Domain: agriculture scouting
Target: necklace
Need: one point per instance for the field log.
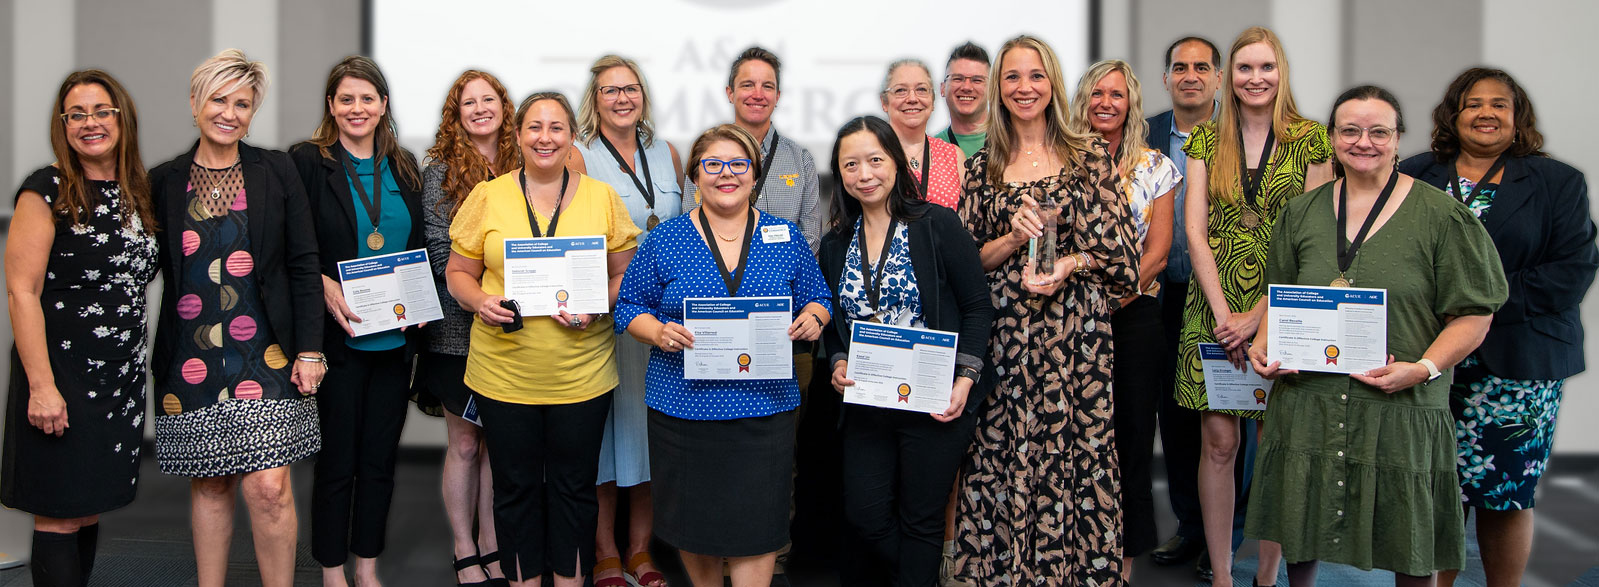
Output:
(221, 176)
(1029, 152)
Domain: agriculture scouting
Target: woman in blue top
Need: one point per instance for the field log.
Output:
(365, 193)
(620, 148)
(722, 451)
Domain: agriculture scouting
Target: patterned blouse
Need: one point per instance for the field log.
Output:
(1153, 177)
(900, 301)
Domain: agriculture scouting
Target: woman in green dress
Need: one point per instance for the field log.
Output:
(1225, 156)
(1360, 469)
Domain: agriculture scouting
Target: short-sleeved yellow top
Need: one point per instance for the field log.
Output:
(544, 362)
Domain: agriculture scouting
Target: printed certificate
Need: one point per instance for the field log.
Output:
(1226, 387)
(900, 367)
(738, 338)
(1327, 329)
(390, 291)
(550, 274)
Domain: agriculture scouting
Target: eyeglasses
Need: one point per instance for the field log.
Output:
(1380, 135)
(80, 118)
(714, 166)
(976, 80)
(901, 92)
(631, 90)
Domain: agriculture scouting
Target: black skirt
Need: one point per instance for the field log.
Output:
(722, 487)
(444, 376)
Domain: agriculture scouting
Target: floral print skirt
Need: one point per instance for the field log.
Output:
(1504, 429)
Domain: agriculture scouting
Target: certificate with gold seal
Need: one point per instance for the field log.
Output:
(390, 291)
(551, 274)
(1228, 387)
(738, 338)
(1327, 329)
(900, 367)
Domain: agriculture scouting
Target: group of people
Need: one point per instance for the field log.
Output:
(1165, 230)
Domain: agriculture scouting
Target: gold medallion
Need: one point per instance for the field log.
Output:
(1341, 282)
(1249, 218)
(374, 241)
(652, 222)
(874, 320)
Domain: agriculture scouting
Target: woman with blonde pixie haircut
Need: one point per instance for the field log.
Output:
(1243, 169)
(238, 345)
(1040, 499)
(617, 141)
(1109, 104)
(476, 142)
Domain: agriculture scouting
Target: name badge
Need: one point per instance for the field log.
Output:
(774, 234)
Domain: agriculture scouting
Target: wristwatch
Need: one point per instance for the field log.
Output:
(1432, 368)
(969, 373)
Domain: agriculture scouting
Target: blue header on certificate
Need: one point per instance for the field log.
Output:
(555, 246)
(1323, 298)
(380, 265)
(732, 308)
(1212, 352)
(862, 332)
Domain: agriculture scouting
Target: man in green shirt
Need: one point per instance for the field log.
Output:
(965, 83)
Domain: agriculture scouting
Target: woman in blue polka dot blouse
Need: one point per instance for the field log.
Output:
(721, 452)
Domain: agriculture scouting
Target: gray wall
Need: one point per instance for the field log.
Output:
(1412, 47)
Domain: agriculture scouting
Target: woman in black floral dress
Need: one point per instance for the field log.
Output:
(80, 253)
(1039, 501)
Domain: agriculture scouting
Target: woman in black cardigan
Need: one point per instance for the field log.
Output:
(365, 192)
(899, 465)
(1487, 152)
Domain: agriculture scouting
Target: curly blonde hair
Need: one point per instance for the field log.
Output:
(1133, 143)
(464, 166)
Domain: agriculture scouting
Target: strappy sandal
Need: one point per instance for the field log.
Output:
(607, 564)
(490, 558)
(468, 562)
(649, 578)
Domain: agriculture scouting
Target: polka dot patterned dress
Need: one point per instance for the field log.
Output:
(231, 409)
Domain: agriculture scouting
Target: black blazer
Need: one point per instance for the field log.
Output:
(333, 205)
(950, 279)
(1541, 225)
(281, 240)
(1158, 136)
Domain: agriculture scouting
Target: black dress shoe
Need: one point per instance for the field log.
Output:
(1202, 568)
(1178, 550)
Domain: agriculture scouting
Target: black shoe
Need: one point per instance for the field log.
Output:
(1178, 550)
(1202, 568)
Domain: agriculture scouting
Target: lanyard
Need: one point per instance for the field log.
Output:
(874, 278)
(1252, 182)
(766, 167)
(645, 188)
(927, 163)
(374, 204)
(728, 278)
(1455, 175)
(555, 216)
(1346, 256)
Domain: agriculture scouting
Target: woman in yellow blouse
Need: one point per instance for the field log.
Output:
(543, 391)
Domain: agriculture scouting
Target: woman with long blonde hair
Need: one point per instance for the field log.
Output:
(1109, 103)
(476, 142)
(1039, 502)
(1243, 169)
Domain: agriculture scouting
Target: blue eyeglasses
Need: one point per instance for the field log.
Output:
(714, 166)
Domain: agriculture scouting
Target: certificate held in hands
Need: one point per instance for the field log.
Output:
(390, 291)
(738, 338)
(900, 367)
(550, 274)
(1327, 329)
(1227, 387)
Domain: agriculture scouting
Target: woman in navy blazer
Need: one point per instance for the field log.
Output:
(1487, 152)
(899, 465)
(365, 192)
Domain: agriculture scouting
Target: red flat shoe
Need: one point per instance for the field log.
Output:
(649, 578)
(607, 564)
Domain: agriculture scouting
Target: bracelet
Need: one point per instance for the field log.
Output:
(1083, 264)
(319, 358)
(818, 320)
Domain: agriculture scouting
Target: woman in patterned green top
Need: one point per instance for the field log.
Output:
(1224, 157)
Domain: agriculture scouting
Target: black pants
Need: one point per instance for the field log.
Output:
(898, 468)
(361, 407)
(1180, 440)
(545, 461)
(1136, 398)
